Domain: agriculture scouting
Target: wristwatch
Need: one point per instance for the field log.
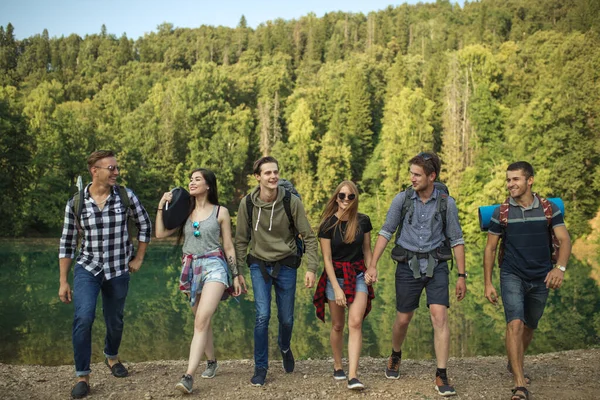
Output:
(561, 267)
(463, 275)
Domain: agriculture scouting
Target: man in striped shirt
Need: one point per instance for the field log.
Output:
(526, 267)
(105, 259)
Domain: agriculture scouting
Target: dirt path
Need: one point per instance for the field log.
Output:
(564, 375)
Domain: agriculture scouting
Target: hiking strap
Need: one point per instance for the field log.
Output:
(287, 199)
(503, 220)
(408, 208)
(78, 203)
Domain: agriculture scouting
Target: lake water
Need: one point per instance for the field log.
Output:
(35, 327)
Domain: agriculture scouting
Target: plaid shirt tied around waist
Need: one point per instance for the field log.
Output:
(349, 270)
(191, 273)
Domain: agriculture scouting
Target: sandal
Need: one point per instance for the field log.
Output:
(520, 393)
(526, 376)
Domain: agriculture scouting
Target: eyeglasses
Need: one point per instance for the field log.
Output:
(342, 196)
(111, 168)
(196, 225)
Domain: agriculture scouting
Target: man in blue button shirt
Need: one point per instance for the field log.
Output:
(421, 237)
(526, 269)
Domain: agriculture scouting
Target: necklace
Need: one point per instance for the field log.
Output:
(103, 201)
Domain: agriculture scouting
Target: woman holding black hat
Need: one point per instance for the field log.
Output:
(208, 267)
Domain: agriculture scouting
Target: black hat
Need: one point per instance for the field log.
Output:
(177, 210)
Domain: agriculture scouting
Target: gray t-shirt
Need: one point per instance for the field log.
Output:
(208, 240)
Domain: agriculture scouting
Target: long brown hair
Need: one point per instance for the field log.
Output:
(351, 212)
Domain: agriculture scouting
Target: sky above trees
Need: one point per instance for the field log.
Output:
(137, 17)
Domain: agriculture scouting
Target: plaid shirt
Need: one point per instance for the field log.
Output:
(350, 270)
(105, 245)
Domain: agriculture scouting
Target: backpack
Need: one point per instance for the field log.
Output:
(287, 198)
(503, 219)
(78, 206)
(444, 252)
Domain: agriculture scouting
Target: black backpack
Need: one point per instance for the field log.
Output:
(287, 198)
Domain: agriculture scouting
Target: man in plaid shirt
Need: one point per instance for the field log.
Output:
(103, 265)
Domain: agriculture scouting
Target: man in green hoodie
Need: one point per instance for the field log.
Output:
(266, 243)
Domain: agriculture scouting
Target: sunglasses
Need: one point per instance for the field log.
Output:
(425, 156)
(196, 226)
(111, 168)
(342, 196)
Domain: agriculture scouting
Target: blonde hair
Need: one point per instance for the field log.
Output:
(351, 213)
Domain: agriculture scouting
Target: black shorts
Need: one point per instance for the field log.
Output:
(409, 289)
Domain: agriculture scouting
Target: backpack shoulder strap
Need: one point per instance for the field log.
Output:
(78, 201)
(124, 197)
(504, 208)
(249, 209)
(78, 204)
(547, 206)
(442, 209)
(287, 200)
(407, 208)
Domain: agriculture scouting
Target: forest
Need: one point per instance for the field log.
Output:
(342, 96)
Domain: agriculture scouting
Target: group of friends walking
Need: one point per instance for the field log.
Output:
(273, 232)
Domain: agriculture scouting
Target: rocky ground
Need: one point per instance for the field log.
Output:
(564, 375)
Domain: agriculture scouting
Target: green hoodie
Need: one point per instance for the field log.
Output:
(272, 239)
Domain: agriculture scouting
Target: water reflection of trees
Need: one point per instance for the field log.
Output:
(35, 328)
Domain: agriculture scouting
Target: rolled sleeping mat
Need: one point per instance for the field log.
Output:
(177, 210)
(485, 212)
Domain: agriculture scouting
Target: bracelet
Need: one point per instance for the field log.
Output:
(159, 209)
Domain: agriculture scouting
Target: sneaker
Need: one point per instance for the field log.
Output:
(355, 384)
(211, 369)
(185, 384)
(260, 374)
(339, 375)
(392, 370)
(288, 360)
(443, 387)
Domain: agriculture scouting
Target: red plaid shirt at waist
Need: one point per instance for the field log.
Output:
(349, 271)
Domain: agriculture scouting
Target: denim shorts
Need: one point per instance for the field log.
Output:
(409, 289)
(361, 286)
(212, 270)
(522, 299)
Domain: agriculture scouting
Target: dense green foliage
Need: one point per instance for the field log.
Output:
(338, 97)
(342, 96)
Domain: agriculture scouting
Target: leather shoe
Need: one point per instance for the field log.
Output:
(80, 390)
(118, 369)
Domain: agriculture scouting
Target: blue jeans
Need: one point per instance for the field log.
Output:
(86, 287)
(522, 299)
(285, 294)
